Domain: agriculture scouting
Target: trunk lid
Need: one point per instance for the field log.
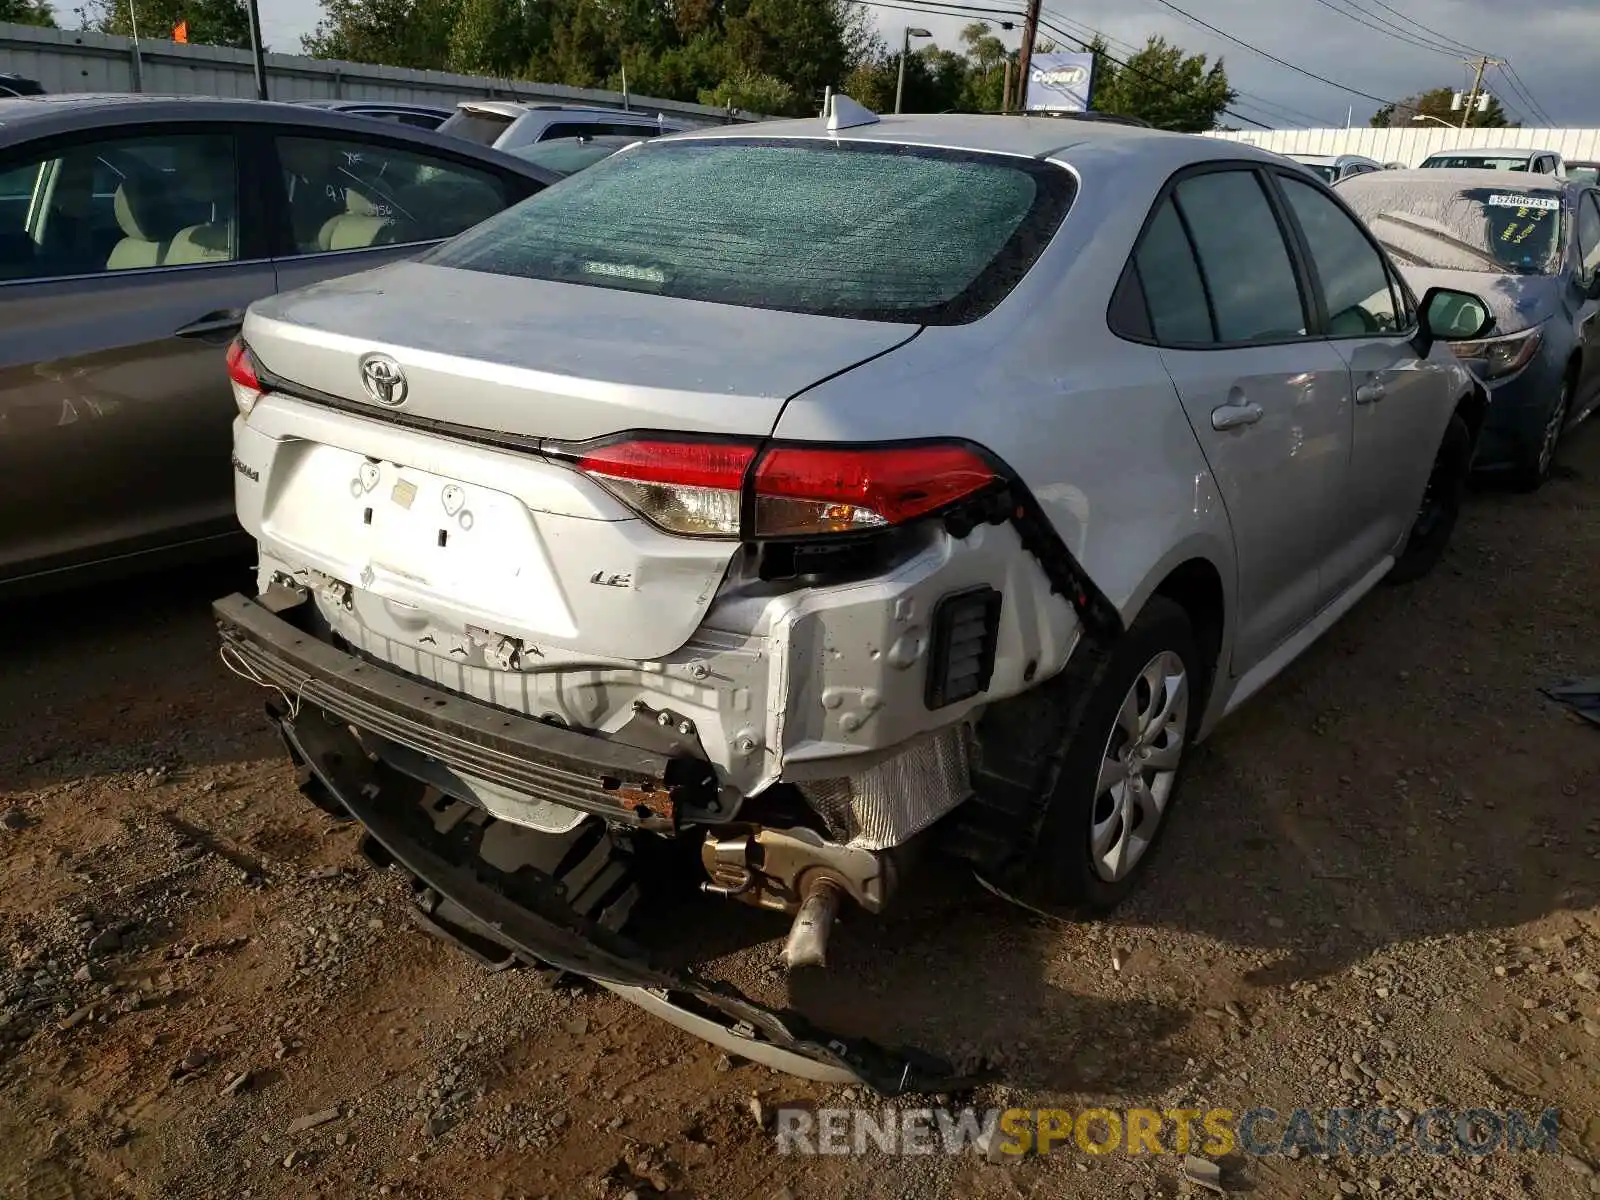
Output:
(441, 536)
(553, 360)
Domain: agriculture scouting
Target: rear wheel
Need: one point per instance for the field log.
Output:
(1441, 505)
(1123, 765)
(1536, 471)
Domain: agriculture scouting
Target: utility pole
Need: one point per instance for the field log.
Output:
(1005, 91)
(1030, 30)
(1483, 63)
(257, 52)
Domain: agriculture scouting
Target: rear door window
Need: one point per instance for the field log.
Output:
(1255, 296)
(850, 229)
(348, 194)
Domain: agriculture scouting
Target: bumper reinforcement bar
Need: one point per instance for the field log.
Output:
(550, 932)
(635, 787)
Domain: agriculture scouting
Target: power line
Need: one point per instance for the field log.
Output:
(1443, 37)
(927, 7)
(1293, 114)
(1523, 90)
(1389, 29)
(1268, 55)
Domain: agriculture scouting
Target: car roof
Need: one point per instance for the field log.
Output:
(1444, 177)
(396, 105)
(516, 108)
(1492, 152)
(1032, 137)
(28, 117)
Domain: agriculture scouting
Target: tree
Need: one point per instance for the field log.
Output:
(28, 12)
(211, 22)
(1162, 85)
(1435, 102)
(396, 33)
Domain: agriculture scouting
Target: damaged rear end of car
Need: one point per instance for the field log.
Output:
(542, 584)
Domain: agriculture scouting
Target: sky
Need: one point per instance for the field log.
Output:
(1553, 47)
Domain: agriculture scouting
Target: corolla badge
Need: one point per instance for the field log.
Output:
(384, 380)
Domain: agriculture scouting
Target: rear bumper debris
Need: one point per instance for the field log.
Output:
(472, 910)
(644, 789)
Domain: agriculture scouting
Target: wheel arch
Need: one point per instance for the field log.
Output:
(1199, 578)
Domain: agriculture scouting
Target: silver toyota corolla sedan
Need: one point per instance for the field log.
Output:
(822, 495)
(134, 231)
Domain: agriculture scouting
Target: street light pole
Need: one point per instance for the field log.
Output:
(257, 51)
(905, 49)
(1426, 117)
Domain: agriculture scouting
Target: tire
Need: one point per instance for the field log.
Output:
(1069, 865)
(1441, 505)
(1534, 473)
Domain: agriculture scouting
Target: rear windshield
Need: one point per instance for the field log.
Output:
(1329, 173)
(480, 127)
(1501, 230)
(1583, 174)
(866, 230)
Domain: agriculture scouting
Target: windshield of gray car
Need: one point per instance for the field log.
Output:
(1583, 174)
(1501, 230)
(1476, 162)
(869, 230)
(1329, 172)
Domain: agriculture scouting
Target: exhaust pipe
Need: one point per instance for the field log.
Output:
(807, 945)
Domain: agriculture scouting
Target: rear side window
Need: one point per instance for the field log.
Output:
(871, 231)
(1254, 294)
(1171, 281)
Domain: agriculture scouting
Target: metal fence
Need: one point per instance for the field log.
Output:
(1411, 146)
(65, 60)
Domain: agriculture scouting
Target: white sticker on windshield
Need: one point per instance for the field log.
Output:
(1502, 201)
(627, 271)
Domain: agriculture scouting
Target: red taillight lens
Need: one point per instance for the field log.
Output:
(684, 487)
(802, 492)
(242, 374)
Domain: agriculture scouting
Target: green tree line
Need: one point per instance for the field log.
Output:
(768, 56)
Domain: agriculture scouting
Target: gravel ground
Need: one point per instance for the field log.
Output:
(1383, 886)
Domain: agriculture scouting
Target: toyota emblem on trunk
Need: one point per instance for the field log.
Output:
(384, 380)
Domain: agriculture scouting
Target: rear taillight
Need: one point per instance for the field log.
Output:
(804, 491)
(242, 374)
(797, 491)
(684, 487)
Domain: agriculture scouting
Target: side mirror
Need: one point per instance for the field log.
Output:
(1451, 316)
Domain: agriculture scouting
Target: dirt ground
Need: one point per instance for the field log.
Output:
(1383, 885)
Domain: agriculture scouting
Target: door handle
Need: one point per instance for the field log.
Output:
(1235, 416)
(216, 326)
(1370, 393)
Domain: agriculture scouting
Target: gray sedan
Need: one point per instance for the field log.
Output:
(134, 232)
(1529, 244)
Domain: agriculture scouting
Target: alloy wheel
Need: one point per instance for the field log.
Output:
(1552, 429)
(1139, 767)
